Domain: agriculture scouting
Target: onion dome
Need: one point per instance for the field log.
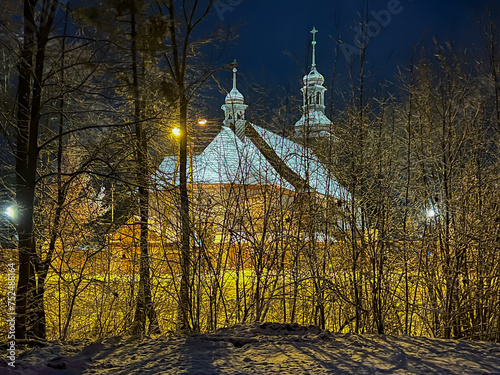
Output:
(234, 97)
(313, 78)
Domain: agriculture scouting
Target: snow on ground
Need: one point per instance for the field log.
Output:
(268, 348)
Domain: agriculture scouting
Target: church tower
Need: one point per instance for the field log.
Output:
(313, 123)
(235, 109)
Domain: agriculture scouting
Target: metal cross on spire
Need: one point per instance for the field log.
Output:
(313, 32)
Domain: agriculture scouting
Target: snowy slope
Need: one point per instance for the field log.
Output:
(268, 348)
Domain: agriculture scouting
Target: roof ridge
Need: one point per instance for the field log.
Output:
(272, 157)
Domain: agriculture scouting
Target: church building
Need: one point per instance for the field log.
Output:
(250, 189)
(247, 166)
(247, 154)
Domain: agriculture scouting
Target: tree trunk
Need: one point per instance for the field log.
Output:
(144, 305)
(29, 303)
(185, 299)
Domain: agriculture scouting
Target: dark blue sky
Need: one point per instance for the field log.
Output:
(274, 35)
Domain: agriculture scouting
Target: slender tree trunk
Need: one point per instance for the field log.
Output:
(29, 303)
(60, 189)
(144, 305)
(407, 201)
(25, 190)
(185, 289)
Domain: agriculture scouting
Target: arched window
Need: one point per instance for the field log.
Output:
(240, 116)
(318, 98)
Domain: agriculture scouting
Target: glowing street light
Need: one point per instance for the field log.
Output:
(202, 122)
(11, 212)
(431, 213)
(176, 132)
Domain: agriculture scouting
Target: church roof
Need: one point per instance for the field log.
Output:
(303, 162)
(231, 160)
(228, 160)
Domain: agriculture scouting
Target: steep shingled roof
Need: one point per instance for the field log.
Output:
(260, 158)
(304, 163)
(227, 160)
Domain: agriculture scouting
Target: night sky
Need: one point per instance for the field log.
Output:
(273, 46)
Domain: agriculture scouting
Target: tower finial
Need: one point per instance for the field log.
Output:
(235, 70)
(234, 108)
(313, 32)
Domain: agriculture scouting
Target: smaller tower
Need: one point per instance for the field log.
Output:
(235, 109)
(313, 123)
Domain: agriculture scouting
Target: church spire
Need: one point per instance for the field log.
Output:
(313, 32)
(313, 123)
(235, 108)
(235, 70)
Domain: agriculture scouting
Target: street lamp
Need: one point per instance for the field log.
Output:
(11, 212)
(177, 133)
